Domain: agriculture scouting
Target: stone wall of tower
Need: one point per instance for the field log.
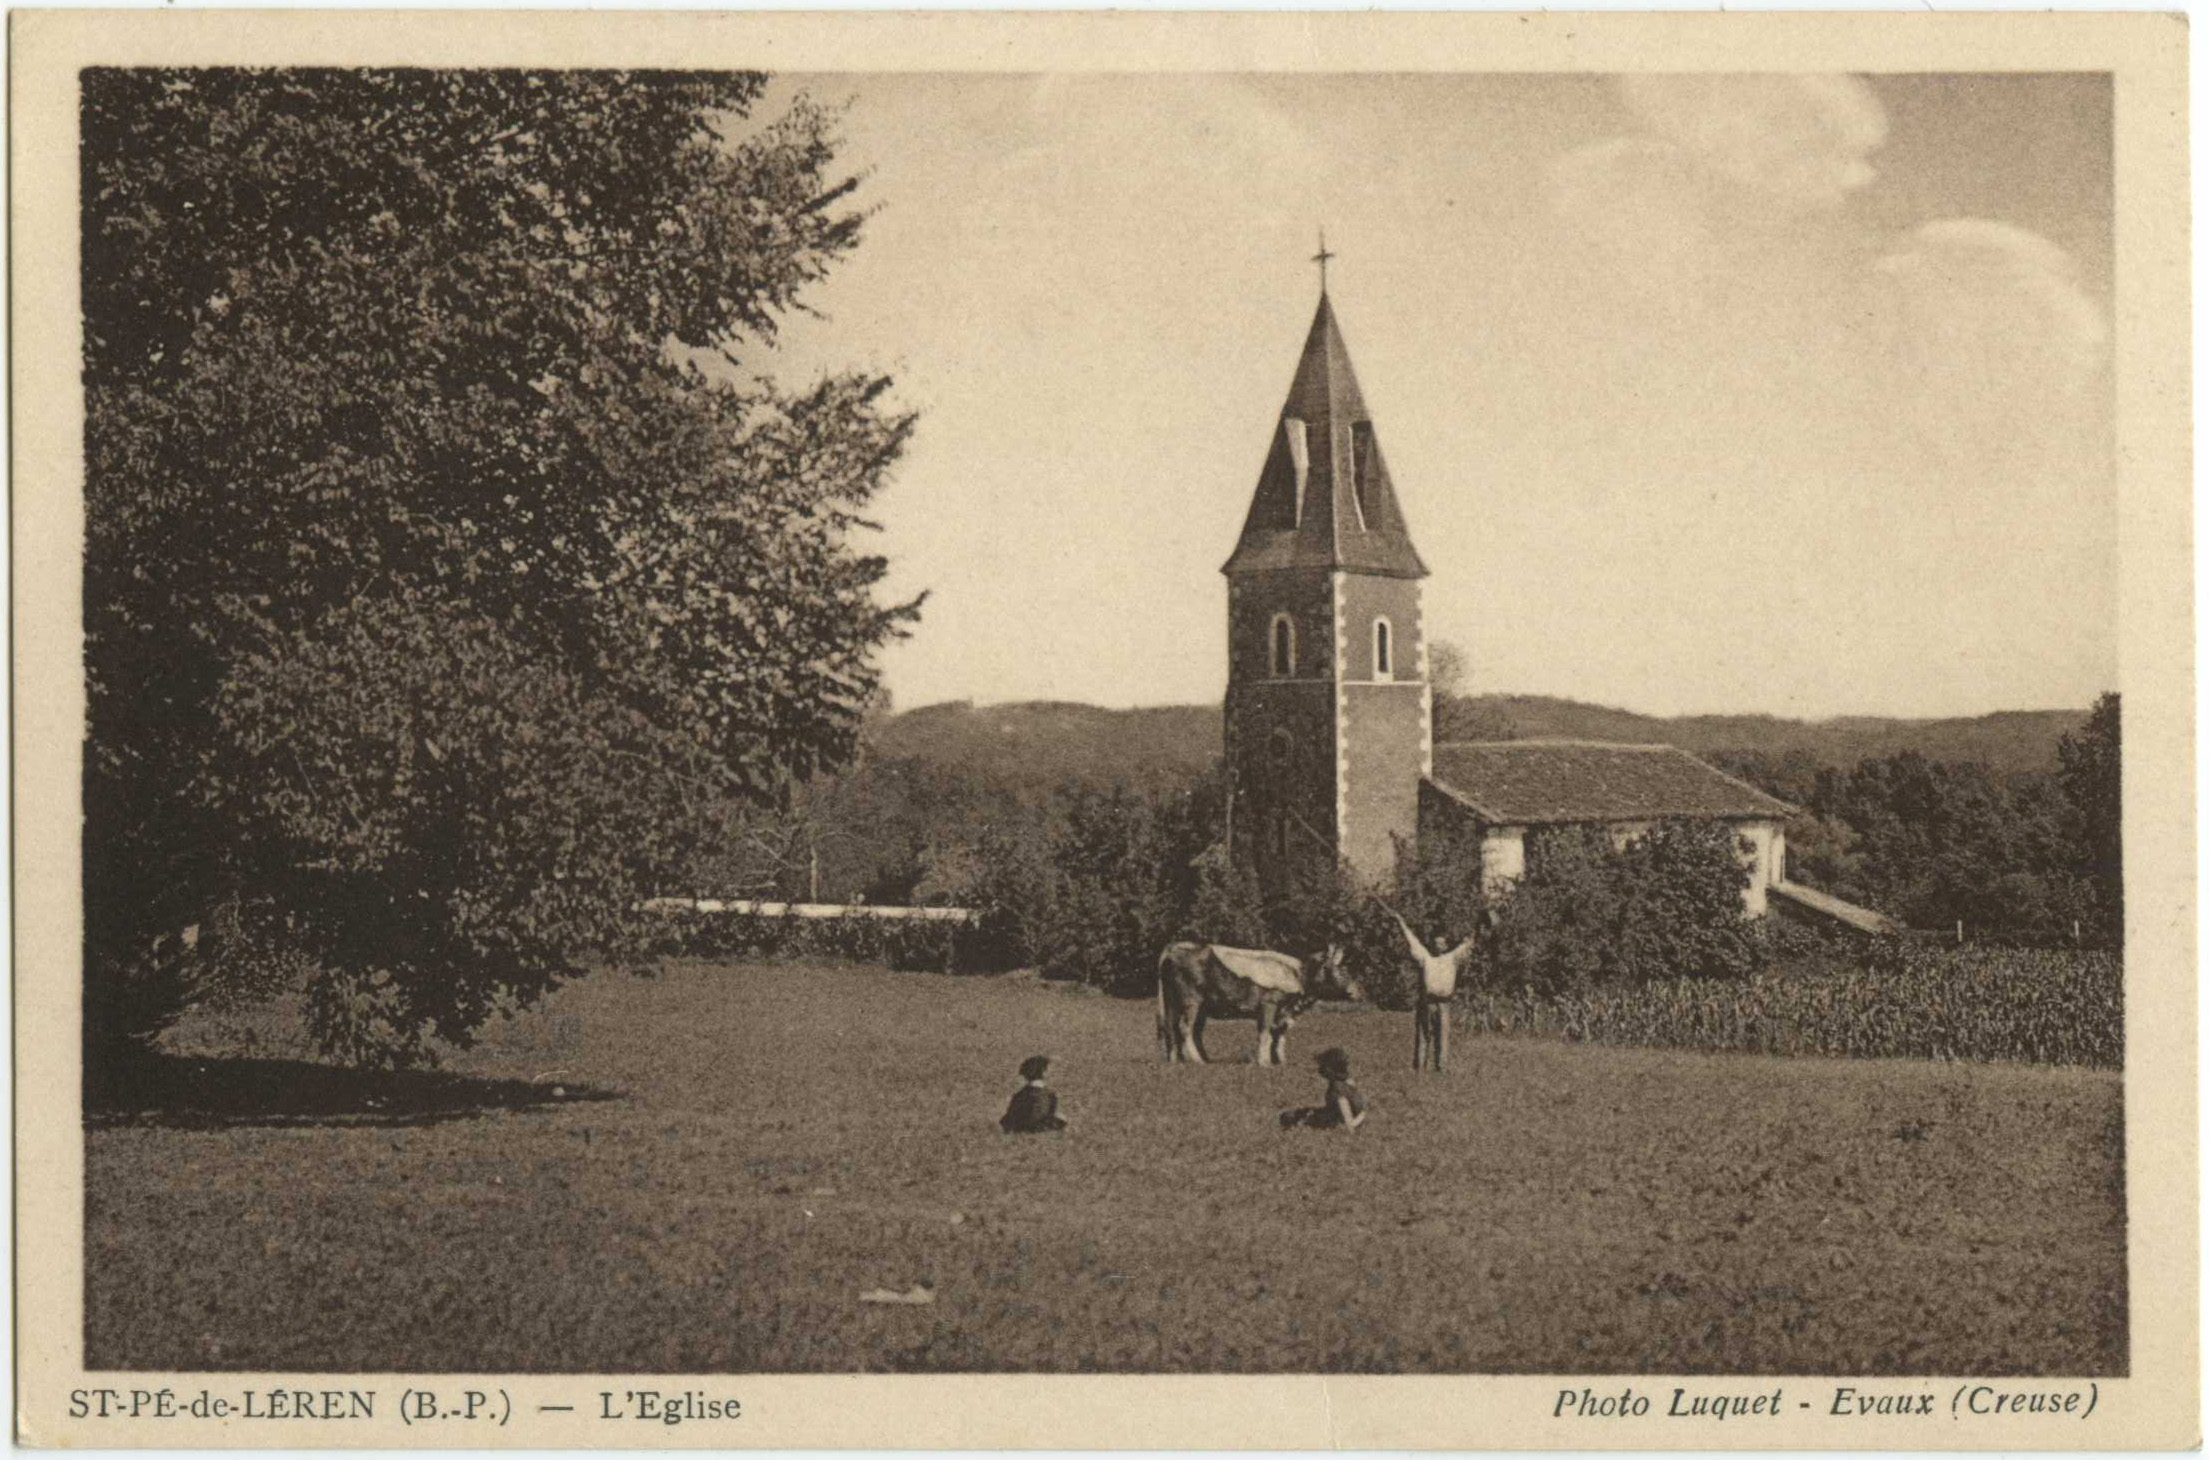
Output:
(1280, 731)
(1384, 740)
(1307, 596)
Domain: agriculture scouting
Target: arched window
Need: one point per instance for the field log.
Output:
(1284, 646)
(1384, 650)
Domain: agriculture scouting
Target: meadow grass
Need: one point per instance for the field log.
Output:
(736, 1152)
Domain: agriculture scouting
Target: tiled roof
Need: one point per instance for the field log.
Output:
(1531, 782)
(1308, 511)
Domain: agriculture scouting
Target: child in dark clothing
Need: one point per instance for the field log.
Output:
(1343, 1106)
(1034, 1108)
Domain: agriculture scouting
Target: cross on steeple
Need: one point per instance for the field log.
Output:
(1321, 258)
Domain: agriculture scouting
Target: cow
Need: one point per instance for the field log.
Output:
(1202, 981)
(1438, 975)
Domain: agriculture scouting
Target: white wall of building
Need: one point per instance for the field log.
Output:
(1503, 856)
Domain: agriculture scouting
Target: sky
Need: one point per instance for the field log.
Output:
(1761, 394)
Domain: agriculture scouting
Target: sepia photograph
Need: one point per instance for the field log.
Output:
(743, 717)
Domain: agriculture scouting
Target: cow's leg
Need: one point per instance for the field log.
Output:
(1265, 1036)
(1191, 1029)
(1165, 1023)
(1281, 1042)
(1175, 1042)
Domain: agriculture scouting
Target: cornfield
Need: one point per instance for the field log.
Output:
(2043, 1006)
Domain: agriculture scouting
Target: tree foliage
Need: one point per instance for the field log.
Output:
(1458, 715)
(1095, 890)
(1938, 842)
(1094, 887)
(2092, 775)
(438, 595)
(1668, 904)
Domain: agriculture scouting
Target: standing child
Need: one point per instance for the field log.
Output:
(1034, 1108)
(1343, 1106)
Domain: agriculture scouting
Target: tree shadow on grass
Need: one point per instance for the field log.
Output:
(179, 1091)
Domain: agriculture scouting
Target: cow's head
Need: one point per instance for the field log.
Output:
(1330, 977)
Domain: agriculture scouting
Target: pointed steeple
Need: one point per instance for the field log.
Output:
(1324, 498)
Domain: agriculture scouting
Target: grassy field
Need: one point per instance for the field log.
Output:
(702, 1171)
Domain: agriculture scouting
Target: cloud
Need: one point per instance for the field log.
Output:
(1718, 160)
(1201, 125)
(1972, 334)
(1803, 140)
(1993, 342)
(1638, 203)
(1996, 301)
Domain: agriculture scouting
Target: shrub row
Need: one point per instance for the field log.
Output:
(1115, 876)
(901, 943)
(2046, 1006)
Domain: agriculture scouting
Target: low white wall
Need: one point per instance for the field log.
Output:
(820, 910)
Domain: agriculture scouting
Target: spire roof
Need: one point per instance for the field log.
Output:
(1324, 498)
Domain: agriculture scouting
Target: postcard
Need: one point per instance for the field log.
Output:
(1104, 731)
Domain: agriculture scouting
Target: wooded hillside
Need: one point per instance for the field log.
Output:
(1046, 740)
(1925, 818)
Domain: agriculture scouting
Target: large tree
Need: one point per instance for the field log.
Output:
(2092, 762)
(451, 565)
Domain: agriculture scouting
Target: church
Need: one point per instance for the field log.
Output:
(1330, 714)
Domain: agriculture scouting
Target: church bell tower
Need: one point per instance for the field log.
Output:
(1329, 715)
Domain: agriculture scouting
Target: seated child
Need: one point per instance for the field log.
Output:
(1342, 1108)
(1033, 1108)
